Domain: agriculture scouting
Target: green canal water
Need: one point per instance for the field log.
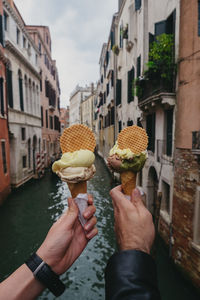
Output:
(29, 212)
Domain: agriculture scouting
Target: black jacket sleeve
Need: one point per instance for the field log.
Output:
(131, 275)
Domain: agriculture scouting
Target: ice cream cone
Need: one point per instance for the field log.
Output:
(77, 188)
(128, 180)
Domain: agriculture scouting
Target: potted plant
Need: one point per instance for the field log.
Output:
(115, 49)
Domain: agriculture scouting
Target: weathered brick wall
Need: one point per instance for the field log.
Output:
(186, 179)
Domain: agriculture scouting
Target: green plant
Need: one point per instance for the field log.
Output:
(136, 88)
(115, 49)
(161, 58)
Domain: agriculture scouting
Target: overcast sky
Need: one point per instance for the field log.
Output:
(78, 30)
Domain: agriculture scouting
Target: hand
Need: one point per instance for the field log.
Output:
(134, 226)
(67, 239)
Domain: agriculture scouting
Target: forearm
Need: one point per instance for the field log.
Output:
(21, 285)
(131, 275)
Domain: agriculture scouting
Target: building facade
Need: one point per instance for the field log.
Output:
(186, 198)
(23, 81)
(76, 98)
(4, 137)
(64, 118)
(87, 109)
(49, 93)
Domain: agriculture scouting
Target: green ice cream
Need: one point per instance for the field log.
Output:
(129, 161)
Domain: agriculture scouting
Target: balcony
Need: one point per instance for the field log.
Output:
(147, 88)
(196, 142)
(164, 151)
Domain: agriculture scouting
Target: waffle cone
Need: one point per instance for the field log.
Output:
(128, 181)
(134, 138)
(77, 137)
(77, 188)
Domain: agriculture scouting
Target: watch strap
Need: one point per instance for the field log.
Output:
(45, 275)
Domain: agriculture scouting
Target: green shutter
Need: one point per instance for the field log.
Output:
(150, 128)
(131, 76)
(118, 92)
(2, 96)
(21, 94)
(9, 87)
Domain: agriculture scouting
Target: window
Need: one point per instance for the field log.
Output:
(107, 89)
(36, 59)
(165, 205)
(9, 87)
(46, 118)
(29, 153)
(118, 92)
(24, 42)
(129, 122)
(23, 133)
(40, 47)
(120, 125)
(139, 66)
(150, 124)
(1, 97)
(51, 122)
(5, 17)
(3, 151)
(131, 76)
(17, 35)
(42, 122)
(24, 161)
(197, 217)
(1, 31)
(137, 4)
(21, 96)
(112, 115)
(169, 131)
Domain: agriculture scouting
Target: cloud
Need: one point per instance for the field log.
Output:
(78, 30)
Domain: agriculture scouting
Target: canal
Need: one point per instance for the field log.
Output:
(29, 212)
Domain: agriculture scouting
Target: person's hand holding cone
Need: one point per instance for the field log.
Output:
(76, 165)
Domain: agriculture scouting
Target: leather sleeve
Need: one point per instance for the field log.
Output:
(131, 275)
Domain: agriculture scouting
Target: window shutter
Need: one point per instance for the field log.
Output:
(120, 125)
(42, 124)
(139, 66)
(112, 39)
(9, 87)
(169, 119)
(112, 115)
(47, 118)
(131, 76)
(2, 96)
(21, 94)
(118, 92)
(137, 4)
(199, 17)
(160, 27)
(1, 31)
(151, 39)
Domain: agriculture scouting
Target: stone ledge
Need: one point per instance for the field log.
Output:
(195, 246)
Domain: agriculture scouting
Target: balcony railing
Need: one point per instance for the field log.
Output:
(164, 151)
(147, 88)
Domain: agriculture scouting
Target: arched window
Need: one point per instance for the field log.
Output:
(21, 96)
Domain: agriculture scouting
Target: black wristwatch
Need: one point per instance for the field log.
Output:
(45, 275)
